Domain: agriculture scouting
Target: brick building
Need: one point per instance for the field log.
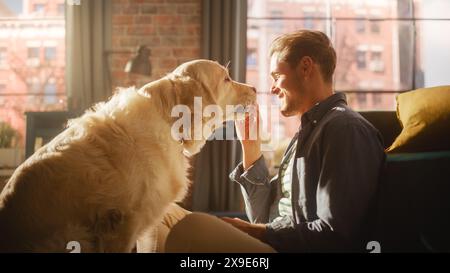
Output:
(32, 60)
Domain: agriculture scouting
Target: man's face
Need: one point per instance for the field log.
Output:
(287, 85)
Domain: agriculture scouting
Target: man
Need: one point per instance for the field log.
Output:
(321, 197)
(328, 177)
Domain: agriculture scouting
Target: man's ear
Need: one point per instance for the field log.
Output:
(305, 66)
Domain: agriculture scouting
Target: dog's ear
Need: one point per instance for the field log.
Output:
(183, 70)
(198, 88)
(187, 90)
(167, 96)
(205, 75)
(162, 94)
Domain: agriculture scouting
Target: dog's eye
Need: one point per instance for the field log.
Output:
(227, 79)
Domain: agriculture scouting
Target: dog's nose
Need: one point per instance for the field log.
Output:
(254, 89)
(274, 90)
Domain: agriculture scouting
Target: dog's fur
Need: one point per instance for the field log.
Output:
(113, 171)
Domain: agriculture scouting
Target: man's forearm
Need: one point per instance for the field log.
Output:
(256, 189)
(251, 153)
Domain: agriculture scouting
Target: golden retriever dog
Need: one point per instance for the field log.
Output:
(113, 171)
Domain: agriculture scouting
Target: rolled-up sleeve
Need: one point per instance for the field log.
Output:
(351, 160)
(255, 186)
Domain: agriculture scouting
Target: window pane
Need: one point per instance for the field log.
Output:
(38, 7)
(50, 93)
(50, 53)
(32, 34)
(33, 53)
(360, 26)
(431, 9)
(433, 58)
(374, 61)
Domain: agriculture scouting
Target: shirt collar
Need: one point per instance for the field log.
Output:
(316, 113)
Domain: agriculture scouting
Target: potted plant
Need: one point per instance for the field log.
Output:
(10, 155)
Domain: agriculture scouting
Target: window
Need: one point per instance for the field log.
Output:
(361, 100)
(50, 53)
(383, 47)
(33, 57)
(2, 56)
(50, 93)
(361, 59)
(30, 40)
(376, 56)
(432, 54)
(39, 8)
(377, 100)
(360, 26)
(33, 53)
(375, 27)
(376, 62)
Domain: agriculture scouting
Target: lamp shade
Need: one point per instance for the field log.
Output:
(140, 64)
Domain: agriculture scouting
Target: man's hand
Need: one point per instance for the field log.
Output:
(257, 231)
(247, 131)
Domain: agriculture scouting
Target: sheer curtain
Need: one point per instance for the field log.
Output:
(88, 36)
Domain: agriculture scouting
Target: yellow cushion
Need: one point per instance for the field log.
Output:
(425, 117)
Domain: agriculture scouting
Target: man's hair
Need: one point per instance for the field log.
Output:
(292, 47)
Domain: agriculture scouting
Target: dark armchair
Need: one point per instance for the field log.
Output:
(413, 209)
(44, 126)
